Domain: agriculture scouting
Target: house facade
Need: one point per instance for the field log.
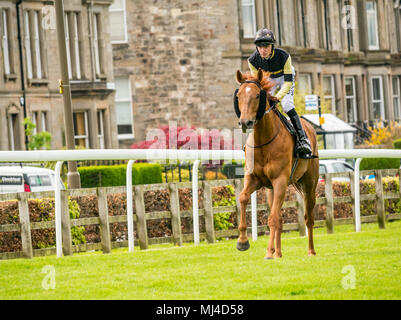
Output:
(138, 65)
(178, 58)
(30, 73)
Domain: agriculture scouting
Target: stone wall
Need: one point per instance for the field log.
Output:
(182, 56)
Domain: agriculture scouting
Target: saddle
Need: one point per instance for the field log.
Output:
(288, 125)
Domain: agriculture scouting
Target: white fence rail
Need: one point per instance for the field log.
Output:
(159, 154)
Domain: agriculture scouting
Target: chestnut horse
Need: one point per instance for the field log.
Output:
(269, 158)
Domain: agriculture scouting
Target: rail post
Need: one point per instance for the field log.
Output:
(357, 196)
(209, 218)
(65, 224)
(57, 200)
(175, 214)
(381, 213)
(141, 215)
(195, 204)
(130, 210)
(104, 220)
(25, 225)
(328, 190)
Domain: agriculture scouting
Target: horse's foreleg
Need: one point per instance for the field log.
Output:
(250, 185)
(275, 221)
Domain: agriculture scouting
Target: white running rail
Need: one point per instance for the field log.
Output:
(163, 154)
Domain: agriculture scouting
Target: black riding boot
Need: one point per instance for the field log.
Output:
(303, 147)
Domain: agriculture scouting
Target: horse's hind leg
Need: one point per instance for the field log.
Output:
(250, 185)
(309, 195)
(310, 201)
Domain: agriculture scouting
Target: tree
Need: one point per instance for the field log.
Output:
(40, 140)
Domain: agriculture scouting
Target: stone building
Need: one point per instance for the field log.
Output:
(30, 72)
(350, 49)
(176, 60)
(136, 65)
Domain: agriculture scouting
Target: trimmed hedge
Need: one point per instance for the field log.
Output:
(111, 176)
(380, 163)
(397, 144)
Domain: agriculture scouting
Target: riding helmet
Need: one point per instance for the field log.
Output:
(264, 36)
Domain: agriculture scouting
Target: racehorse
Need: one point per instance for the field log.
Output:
(270, 160)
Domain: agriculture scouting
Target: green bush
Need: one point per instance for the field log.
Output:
(110, 176)
(379, 163)
(397, 144)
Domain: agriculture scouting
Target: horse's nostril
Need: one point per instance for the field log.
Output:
(239, 123)
(249, 124)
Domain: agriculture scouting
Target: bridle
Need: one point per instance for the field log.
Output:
(261, 110)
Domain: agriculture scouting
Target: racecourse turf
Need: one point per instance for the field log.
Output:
(348, 265)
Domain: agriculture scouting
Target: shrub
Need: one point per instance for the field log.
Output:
(384, 135)
(109, 176)
(224, 196)
(379, 163)
(211, 175)
(397, 144)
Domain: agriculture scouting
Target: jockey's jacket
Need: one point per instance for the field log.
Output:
(280, 67)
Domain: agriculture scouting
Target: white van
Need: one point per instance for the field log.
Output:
(26, 179)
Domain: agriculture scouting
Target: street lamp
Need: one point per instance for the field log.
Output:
(65, 89)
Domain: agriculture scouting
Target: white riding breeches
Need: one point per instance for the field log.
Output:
(288, 100)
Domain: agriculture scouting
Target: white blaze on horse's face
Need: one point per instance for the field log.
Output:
(248, 98)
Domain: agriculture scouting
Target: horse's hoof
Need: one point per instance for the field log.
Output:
(268, 258)
(243, 246)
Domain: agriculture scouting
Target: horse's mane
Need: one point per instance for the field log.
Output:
(266, 82)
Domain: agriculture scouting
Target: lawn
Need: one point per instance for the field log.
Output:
(348, 265)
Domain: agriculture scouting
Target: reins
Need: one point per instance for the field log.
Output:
(275, 135)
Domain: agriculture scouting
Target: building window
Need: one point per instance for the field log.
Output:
(248, 18)
(348, 22)
(396, 98)
(5, 41)
(97, 44)
(39, 119)
(350, 99)
(100, 128)
(118, 22)
(397, 16)
(304, 83)
(43, 119)
(373, 35)
(13, 131)
(32, 42)
(377, 111)
(34, 119)
(326, 26)
(72, 39)
(329, 92)
(81, 129)
(303, 24)
(123, 103)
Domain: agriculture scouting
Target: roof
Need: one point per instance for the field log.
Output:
(331, 123)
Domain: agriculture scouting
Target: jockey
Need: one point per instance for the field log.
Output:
(282, 73)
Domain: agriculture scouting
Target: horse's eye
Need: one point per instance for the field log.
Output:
(257, 97)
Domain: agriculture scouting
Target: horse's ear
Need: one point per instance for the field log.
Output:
(260, 75)
(239, 77)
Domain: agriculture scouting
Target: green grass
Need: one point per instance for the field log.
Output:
(219, 271)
